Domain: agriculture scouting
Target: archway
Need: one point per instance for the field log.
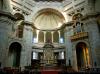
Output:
(82, 53)
(14, 54)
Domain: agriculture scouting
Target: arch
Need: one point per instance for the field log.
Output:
(82, 54)
(14, 54)
(19, 16)
(47, 10)
(48, 18)
(41, 36)
(84, 41)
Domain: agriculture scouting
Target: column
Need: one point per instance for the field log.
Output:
(74, 60)
(44, 36)
(84, 55)
(87, 56)
(52, 36)
(37, 35)
(59, 35)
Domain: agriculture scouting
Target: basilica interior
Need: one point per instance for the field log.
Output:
(50, 34)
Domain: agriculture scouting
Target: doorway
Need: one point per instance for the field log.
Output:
(82, 53)
(14, 54)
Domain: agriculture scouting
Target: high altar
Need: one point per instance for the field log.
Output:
(48, 54)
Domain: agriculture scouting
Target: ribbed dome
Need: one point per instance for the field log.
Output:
(49, 0)
(48, 19)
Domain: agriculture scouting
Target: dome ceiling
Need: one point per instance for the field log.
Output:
(49, 0)
(48, 19)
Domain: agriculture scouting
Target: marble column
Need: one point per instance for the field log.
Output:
(52, 36)
(85, 60)
(59, 35)
(37, 35)
(74, 60)
(44, 36)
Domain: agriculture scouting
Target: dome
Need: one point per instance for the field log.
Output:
(48, 19)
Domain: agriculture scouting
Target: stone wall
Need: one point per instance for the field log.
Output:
(6, 27)
(94, 38)
(27, 37)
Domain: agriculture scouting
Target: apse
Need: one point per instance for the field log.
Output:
(49, 0)
(48, 19)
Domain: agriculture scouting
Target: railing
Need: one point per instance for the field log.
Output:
(42, 44)
(79, 36)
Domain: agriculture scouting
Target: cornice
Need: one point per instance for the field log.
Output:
(90, 15)
(29, 24)
(7, 14)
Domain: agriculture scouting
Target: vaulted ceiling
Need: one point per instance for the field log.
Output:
(48, 19)
(49, 0)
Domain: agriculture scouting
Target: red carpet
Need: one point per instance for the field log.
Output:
(49, 72)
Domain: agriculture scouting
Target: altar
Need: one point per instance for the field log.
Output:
(48, 55)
